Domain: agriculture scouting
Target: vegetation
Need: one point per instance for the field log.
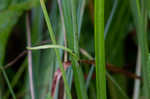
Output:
(74, 49)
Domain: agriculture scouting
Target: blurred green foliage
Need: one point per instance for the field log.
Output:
(125, 32)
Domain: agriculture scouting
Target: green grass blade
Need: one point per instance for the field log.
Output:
(75, 27)
(49, 67)
(114, 44)
(109, 77)
(53, 46)
(56, 51)
(138, 7)
(80, 14)
(8, 83)
(99, 50)
(89, 76)
(117, 86)
(71, 27)
(17, 76)
(110, 18)
(140, 20)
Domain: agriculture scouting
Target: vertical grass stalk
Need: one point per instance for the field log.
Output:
(71, 25)
(99, 50)
(52, 36)
(30, 59)
(140, 19)
(64, 31)
(137, 82)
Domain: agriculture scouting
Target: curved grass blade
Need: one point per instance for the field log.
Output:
(53, 46)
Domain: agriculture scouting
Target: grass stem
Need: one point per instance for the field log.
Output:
(52, 36)
(99, 50)
(138, 73)
(30, 58)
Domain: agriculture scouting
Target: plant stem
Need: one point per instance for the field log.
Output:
(52, 36)
(64, 31)
(99, 50)
(138, 73)
(30, 58)
(140, 19)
